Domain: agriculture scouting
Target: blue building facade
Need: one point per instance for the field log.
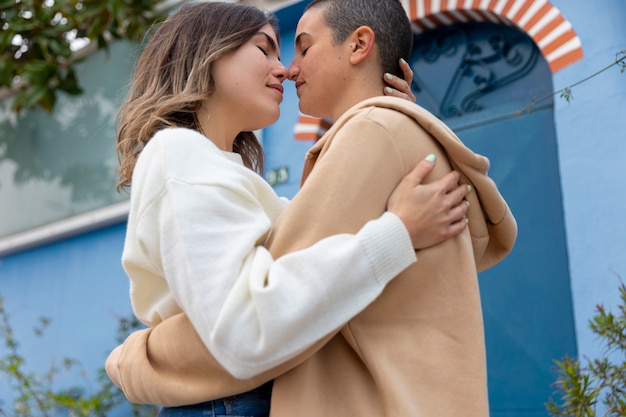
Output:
(557, 161)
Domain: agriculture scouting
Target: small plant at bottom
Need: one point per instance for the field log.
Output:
(582, 387)
(34, 393)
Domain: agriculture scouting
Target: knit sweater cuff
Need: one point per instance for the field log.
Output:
(388, 246)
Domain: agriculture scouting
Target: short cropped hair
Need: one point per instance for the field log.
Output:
(387, 18)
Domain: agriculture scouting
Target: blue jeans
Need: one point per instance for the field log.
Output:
(254, 403)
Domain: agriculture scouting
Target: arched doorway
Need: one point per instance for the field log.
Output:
(485, 80)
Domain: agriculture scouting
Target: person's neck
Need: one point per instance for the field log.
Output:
(359, 92)
(218, 128)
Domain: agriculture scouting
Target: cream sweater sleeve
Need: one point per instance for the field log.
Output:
(193, 244)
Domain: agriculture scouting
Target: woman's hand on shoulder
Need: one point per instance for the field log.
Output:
(399, 87)
(431, 212)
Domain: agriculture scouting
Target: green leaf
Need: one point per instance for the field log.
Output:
(7, 4)
(69, 83)
(6, 71)
(38, 72)
(60, 48)
(6, 36)
(31, 96)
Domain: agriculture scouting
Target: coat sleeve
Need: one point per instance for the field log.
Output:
(169, 365)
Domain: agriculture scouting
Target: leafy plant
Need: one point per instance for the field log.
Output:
(39, 39)
(582, 387)
(35, 395)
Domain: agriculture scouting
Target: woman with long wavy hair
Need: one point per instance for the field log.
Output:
(200, 210)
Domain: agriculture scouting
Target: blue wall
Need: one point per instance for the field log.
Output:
(592, 151)
(80, 285)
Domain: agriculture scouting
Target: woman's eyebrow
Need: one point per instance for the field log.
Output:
(298, 41)
(273, 47)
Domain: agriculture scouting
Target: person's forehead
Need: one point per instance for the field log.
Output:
(312, 22)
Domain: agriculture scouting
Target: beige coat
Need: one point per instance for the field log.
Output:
(418, 350)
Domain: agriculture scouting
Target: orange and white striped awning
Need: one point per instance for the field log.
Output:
(543, 22)
(310, 128)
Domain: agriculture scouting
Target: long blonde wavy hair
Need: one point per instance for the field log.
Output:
(173, 77)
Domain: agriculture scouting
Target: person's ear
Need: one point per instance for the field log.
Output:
(361, 44)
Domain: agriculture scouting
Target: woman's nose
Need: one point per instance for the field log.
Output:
(293, 71)
(280, 72)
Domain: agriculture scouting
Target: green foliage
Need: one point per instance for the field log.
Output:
(39, 37)
(34, 392)
(566, 94)
(582, 387)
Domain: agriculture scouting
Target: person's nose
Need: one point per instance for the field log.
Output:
(280, 72)
(293, 71)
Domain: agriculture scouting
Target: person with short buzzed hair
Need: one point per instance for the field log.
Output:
(418, 349)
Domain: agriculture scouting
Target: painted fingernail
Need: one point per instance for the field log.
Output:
(388, 90)
(431, 157)
(469, 188)
(388, 76)
(466, 220)
(403, 61)
(467, 203)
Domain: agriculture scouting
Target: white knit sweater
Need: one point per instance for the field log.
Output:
(197, 223)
